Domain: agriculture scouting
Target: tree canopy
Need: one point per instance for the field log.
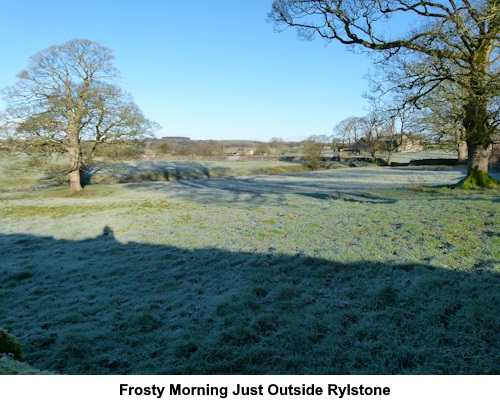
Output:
(455, 41)
(67, 94)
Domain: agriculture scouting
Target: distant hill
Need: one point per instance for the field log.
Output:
(176, 138)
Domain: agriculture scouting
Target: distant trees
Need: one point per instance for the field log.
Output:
(389, 135)
(455, 41)
(66, 96)
(191, 147)
(262, 149)
(348, 131)
(205, 148)
(395, 130)
(442, 114)
(278, 145)
(384, 130)
(371, 126)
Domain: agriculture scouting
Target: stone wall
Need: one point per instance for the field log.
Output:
(234, 158)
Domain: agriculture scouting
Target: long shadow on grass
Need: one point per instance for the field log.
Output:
(104, 307)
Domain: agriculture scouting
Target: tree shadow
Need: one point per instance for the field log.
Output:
(363, 185)
(260, 190)
(198, 182)
(151, 171)
(99, 306)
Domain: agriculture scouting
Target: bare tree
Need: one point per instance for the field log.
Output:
(342, 131)
(459, 39)
(66, 95)
(395, 129)
(395, 118)
(371, 127)
(348, 130)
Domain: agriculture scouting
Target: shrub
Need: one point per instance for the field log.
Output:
(8, 344)
(262, 149)
(312, 153)
(278, 145)
(162, 149)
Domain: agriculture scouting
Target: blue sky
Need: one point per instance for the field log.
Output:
(204, 69)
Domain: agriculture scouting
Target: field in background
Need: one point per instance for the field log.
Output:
(16, 172)
(363, 270)
(21, 172)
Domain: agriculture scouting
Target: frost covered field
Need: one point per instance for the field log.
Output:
(363, 270)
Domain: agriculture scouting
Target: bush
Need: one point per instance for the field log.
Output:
(8, 344)
(278, 145)
(263, 149)
(312, 153)
(162, 149)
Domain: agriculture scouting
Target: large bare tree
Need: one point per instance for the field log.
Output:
(452, 35)
(68, 94)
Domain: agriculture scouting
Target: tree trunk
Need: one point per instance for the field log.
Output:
(74, 173)
(478, 159)
(74, 181)
(477, 169)
(389, 158)
(462, 152)
(477, 134)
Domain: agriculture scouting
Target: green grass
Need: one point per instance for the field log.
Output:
(355, 271)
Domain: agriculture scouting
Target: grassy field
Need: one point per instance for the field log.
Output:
(22, 172)
(362, 270)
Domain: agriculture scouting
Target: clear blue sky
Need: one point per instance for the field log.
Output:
(207, 69)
